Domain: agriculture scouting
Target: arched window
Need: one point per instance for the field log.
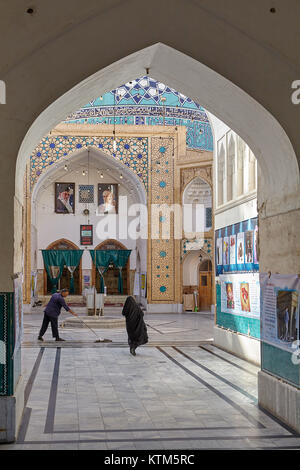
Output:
(230, 166)
(197, 198)
(241, 159)
(221, 174)
(251, 171)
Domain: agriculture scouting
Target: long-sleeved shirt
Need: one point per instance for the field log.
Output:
(55, 304)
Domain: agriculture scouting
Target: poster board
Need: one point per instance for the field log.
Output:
(237, 247)
(280, 305)
(240, 294)
(280, 297)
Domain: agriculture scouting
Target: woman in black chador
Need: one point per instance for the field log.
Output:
(135, 325)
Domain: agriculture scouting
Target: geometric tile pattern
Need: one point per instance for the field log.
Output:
(162, 194)
(130, 151)
(86, 193)
(145, 101)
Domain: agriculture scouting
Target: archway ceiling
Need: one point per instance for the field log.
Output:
(145, 101)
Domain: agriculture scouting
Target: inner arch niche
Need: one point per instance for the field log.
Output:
(112, 274)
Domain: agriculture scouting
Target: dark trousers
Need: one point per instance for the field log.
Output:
(54, 326)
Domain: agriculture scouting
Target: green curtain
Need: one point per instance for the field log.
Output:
(102, 259)
(72, 259)
(54, 264)
(120, 258)
(56, 260)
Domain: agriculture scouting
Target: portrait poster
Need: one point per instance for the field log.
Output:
(245, 296)
(280, 309)
(226, 250)
(219, 251)
(107, 198)
(240, 294)
(230, 295)
(240, 248)
(232, 256)
(249, 246)
(64, 198)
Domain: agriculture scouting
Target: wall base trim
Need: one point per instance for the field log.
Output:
(279, 398)
(242, 346)
(164, 308)
(11, 412)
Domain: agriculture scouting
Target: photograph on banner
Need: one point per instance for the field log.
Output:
(280, 309)
(245, 296)
(229, 294)
(232, 256)
(219, 251)
(226, 250)
(249, 246)
(240, 294)
(240, 248)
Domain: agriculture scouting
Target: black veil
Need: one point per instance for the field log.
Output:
(135, 325)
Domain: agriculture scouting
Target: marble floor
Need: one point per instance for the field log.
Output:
(178, 392)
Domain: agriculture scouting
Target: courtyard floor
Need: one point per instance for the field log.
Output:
(178, 392)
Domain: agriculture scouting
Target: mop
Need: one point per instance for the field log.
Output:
(99, 340)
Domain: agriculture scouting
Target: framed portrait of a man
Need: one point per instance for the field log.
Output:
(64, 198)
(107, 198)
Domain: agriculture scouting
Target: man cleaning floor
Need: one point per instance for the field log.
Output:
(52, 312)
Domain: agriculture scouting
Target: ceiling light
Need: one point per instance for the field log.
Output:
(121, 176)
(114, 145)
(83, 173)
(101, 176)
(66, 167)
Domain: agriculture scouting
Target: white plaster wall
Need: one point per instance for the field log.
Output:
(51, 226)
(239, 212)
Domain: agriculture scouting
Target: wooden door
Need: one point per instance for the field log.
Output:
(205, 290)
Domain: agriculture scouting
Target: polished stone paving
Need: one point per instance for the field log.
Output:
(178, 392)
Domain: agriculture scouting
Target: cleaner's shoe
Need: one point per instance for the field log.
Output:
(40, 338)
(59, 339)
(132, 351)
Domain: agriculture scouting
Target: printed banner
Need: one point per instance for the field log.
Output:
(240, 294)
(237, 247)
(280, 302)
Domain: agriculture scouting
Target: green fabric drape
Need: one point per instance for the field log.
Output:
(53, 259)
(103, 258)
(72, 259)
(59, 259)
(120, 262)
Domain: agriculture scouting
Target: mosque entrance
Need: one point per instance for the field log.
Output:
(111, 276)
(205, 285)
(64, 281)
